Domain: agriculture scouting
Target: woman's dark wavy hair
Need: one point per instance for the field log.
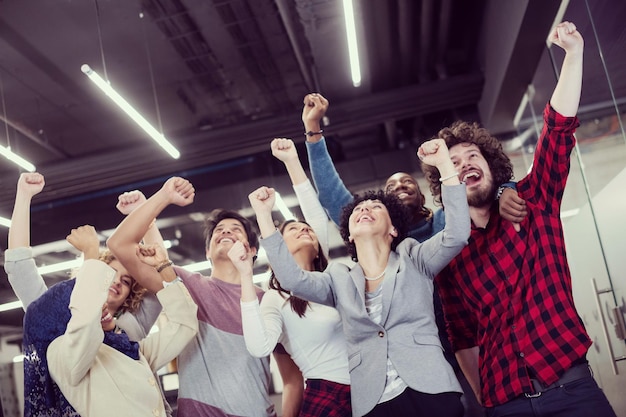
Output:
(218, 215)
(398, 213)
(491, 148)
(298, 305)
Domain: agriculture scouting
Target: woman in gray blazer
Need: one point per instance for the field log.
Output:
(385, 301)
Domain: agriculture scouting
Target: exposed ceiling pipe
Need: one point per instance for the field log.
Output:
(442, 38)
(310, 78)
(82, 175)
(426, 39)
(391, 133)
(406, 12)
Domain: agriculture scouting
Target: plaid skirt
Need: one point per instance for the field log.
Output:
(326, 398)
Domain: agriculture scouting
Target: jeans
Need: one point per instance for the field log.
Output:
(412, 403)
(581, 398)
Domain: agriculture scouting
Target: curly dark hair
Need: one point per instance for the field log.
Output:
(298, 305)
(398, 213)
(218, 215)
(137, 292)
(490, 147)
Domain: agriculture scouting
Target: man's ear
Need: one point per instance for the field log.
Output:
(254, 252)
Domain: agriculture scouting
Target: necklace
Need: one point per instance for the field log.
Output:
(376, 278)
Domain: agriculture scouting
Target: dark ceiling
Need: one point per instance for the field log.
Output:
(220, 78)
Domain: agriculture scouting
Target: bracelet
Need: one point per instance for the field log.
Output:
(164, 265)
(503, 187)
(456, 174)
(499, 192)
(312, 133)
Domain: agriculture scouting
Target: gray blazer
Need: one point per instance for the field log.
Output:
(408, 334)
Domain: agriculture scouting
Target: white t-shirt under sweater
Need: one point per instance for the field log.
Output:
(394, 385)
(315, 342)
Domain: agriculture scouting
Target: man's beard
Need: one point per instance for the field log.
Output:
(481, 197)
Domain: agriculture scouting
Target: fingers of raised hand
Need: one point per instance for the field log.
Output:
(146, 250)
(237, 251)
(262, 193)
(82, 234)
(281, 144)
(566, 27)
(32, 178)
(314, 99)
(130, 197)
(184, 189)
(429, 148)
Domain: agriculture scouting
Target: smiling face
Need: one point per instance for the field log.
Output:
(119, 291)
(370, 218)
(475, 172)
(405, 187)
(300, 237)
(225, 234)
(120, 287)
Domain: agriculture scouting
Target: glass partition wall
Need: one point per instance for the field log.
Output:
(594, 204)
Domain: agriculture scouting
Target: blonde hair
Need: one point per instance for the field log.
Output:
(137, 292)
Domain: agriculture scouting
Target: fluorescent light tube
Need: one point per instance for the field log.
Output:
(198, 266)
(16, 159)
(353, 49)
(130, 111)
(5, 222)
(282, 207)
(61, 266)
(11, 306)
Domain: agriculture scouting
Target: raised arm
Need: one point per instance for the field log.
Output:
(333, 194)
(181, 326)
(28, 186)
(566, 96)
(125, 240)
(18, 260)
(139, 323)
(438, 251)
(261, 330)
(314, 214)
(127, 202)
(545, 184)
(312, 286)
(71, 355)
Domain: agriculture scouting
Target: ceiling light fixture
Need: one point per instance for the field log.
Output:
(75, 263)
(353, 49)
(10, 306)
(16, 159)
(6, 150)
(282, 207)
(60, 266)
(130, 111)
(5, 222)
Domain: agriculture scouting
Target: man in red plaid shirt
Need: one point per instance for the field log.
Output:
(508, 296)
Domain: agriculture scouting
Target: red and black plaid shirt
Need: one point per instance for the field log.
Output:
(510, 293)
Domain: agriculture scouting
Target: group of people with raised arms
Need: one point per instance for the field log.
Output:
(367, 340)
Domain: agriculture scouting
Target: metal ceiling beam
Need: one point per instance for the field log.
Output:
(307, 66)
(84, 175)
(513, 42)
